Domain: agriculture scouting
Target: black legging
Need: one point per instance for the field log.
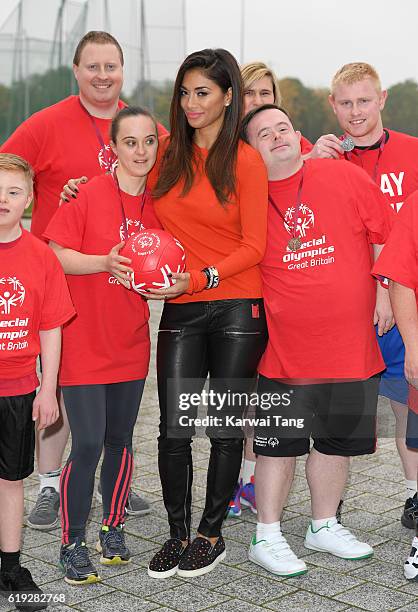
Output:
(225, 339)
(98, 415)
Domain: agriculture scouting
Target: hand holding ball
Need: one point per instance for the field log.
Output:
(154, 254)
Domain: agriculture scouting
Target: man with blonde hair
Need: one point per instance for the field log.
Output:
(391, 159)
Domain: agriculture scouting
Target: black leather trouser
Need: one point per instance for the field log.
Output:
(225, 339)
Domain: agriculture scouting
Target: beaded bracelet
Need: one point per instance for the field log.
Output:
(212, 276)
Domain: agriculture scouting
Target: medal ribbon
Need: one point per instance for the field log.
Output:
(98, 135)
(359, 154)
(124, 221)
(298, 204)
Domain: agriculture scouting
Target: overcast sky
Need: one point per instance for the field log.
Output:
(308, 39)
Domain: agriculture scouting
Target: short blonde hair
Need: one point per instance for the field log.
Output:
(353, 73)
(14, 163)
(255, 71)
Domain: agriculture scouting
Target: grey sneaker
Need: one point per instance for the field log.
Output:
(135, 505)
(44, 514)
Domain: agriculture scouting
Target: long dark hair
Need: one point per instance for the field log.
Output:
(177, 164)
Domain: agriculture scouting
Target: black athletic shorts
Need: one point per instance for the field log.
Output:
(17, 436)
(340, 417)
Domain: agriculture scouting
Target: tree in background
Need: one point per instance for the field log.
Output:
(401, 109)
(156, 98)
(308, 107)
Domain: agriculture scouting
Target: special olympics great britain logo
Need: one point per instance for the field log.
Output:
(12, 293)
(107, 159)
(304, 222)
(146, 244)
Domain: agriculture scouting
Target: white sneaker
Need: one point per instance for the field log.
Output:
(276, 557)
(337, 540)
(411, 564)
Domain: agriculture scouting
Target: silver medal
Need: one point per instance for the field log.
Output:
(347, 144)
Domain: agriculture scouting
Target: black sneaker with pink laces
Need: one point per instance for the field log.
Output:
(201, 557)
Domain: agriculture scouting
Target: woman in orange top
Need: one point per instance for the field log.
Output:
(211, 194)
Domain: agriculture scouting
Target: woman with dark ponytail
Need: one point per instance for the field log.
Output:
(211, 194)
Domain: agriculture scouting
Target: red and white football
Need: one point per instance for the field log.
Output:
(154, 254)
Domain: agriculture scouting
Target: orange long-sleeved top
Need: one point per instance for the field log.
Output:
(231, 237)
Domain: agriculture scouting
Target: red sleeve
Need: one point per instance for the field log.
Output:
(22, 142)
(398, 260)
(252, 196)
(305, 145)
(372, 206)
(161, 130)
(150, 219)
(57, 307)
(66, 227)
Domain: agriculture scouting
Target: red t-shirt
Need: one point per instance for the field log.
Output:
(230, 237)
(60, 143)
(108, 341)
(399, 259)
(33, 297)
(397, 170)
(320, 299)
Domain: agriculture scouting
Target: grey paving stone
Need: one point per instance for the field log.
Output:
(140, 584)
(324, 582)
(138, 545)
(378, 486)
(256, 589)
(236, 605)
(368, 500)
(235, 553)
(150, 528)
(149, 483)
(361, 519)
(43, 572)
(111, 571)
(301, 601)
(32, 538)
(396, 531)
(386, 471)
(375, 599)
(76, 594)
(410, 587)
(47, 552)
(226, 575)
(186, 598)
(5, 605)
(412, 607)
(296, 525)
(117, 601)
(385, 574)
(335, 563)
(392, 551)
(240, 531)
